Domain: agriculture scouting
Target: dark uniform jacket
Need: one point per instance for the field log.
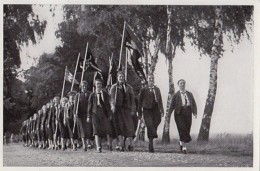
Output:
(146, 102)
(83, 104)
(92, 105)
(176, 103)
(118, 98)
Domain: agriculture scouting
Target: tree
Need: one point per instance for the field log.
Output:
(210, 25)
(178, 22)
(21, 26)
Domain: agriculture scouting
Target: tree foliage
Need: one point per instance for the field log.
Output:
(21, 25)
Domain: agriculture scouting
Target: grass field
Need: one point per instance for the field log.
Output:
(224, 143)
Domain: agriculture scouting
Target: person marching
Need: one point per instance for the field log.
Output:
(56, 115)
(100, 112)
(33, 132)
(61, 121)
(85, 129)
(43, 126)
(29, 131)
(38, 127)
(123, 107)
(50, 124)
(184, 105)
(151, 108)
(69, 115)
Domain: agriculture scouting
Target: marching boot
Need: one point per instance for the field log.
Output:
(151, 149)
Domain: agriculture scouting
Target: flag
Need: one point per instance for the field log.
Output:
(90, 63)
(134, 45)
(69, 77)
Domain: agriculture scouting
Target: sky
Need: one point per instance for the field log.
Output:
(47, 44)
(233, 110)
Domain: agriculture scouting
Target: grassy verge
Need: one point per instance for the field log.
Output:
(224, 144)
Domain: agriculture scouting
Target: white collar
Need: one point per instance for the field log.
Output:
(183, 92)
(151, 87)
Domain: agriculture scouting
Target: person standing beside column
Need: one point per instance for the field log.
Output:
(184, 105)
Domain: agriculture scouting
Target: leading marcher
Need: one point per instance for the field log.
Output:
(151, 108)
(184, 105)
(123, 107)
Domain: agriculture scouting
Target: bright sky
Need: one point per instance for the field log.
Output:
(31, 54)
(233, 111)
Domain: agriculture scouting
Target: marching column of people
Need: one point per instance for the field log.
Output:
(85, 118)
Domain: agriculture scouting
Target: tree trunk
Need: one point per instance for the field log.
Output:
(154, 59)
(169, 56)
(145, 58)
(216, 53)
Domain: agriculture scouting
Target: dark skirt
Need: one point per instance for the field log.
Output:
(152, 119)
(43, 134)
(69, 128)
(38, 135)
(63, 131)
(50, 132)
(113, 134)
(183, 121)
(123, 122)
(101, 124)
(85, 129)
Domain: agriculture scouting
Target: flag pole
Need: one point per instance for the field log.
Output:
(64, 82)
(110, 67)
(84, 64)
(82, 75)
(122, 42)
(95, 74)
(75, 73)
(126, 60)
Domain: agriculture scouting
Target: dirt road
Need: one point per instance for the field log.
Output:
(17, 155)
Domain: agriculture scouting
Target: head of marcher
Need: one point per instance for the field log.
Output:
(35, 115)
(63, 101)
(56, 101)
(44, 108)
(71, 96)
(98, 84)
(39, 112)
(150, 80)
(120, 77)
(84, 86)
(181, 84)
(48, 105)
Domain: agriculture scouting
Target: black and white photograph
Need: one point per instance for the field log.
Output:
(129, 85)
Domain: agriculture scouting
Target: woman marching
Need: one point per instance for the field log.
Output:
(123, 108)
(151, 108)
(100, 112)
(50, 124)
(61, 121)
(43, 126)
(69, 116)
